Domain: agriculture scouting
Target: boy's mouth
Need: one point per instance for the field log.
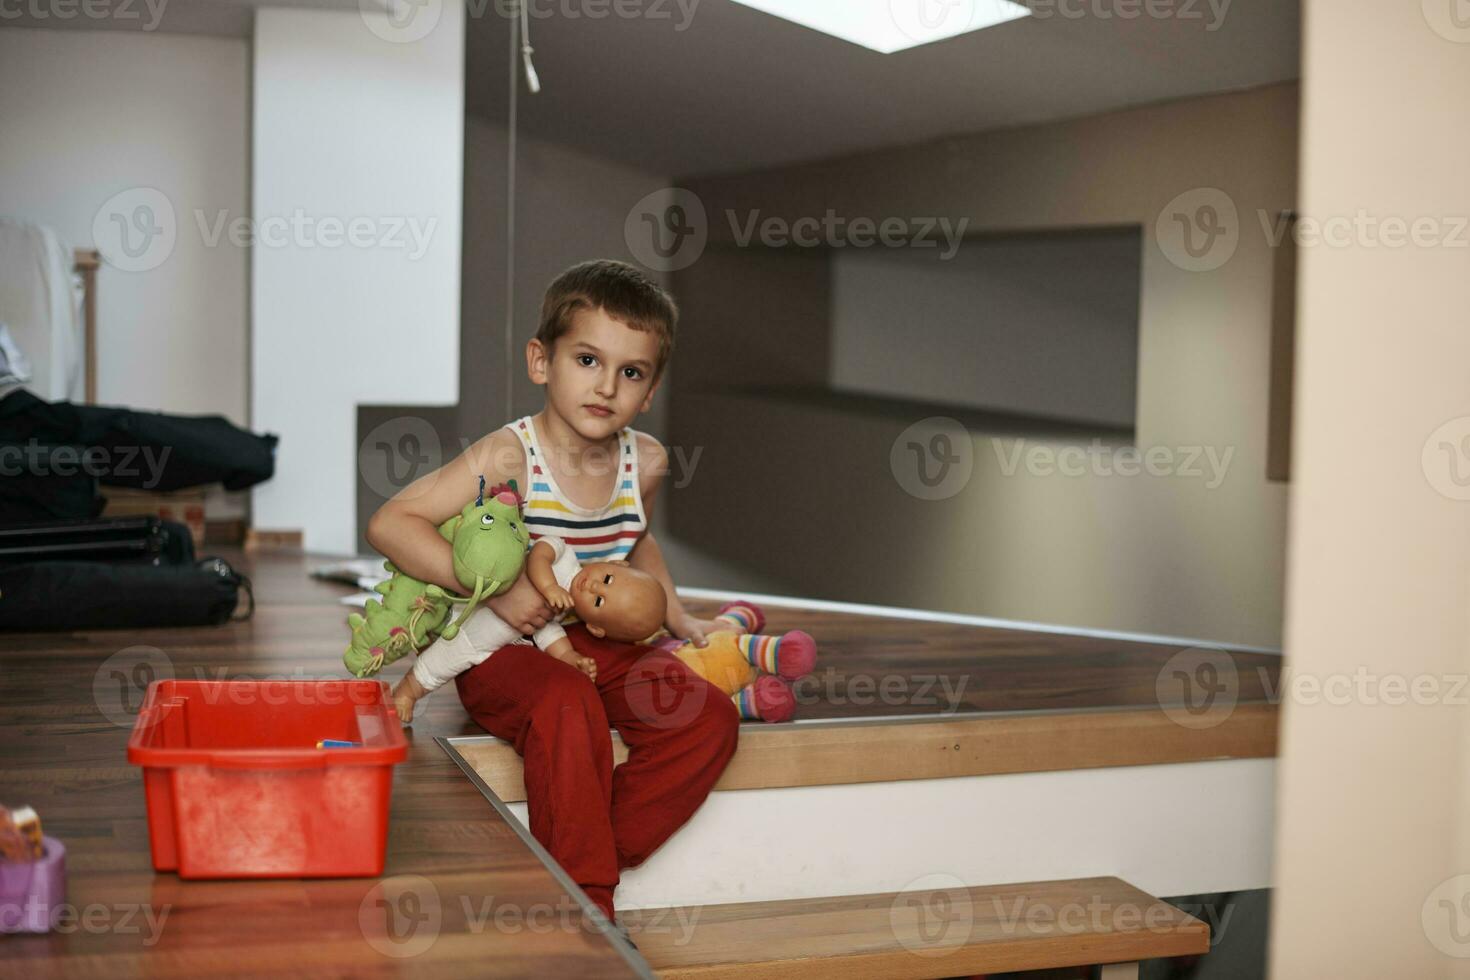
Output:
(599, 411)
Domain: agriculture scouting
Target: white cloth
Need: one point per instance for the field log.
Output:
(484, 632)
(15, 368)
(38, 300)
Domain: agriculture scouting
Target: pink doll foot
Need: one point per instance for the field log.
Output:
(746, 613)
(791, 655)
(767, 699)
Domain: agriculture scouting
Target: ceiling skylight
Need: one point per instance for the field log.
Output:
(892, 25)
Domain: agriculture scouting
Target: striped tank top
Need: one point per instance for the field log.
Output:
(606, 533)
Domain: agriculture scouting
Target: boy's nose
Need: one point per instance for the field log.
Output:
(607, 384)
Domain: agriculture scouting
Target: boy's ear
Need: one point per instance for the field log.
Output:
(648, 399)
(596, 631)
(536, 357)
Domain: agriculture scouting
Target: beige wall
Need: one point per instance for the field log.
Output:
(90, 114)
(1158, 554)
(87, 115)
(1373, 812)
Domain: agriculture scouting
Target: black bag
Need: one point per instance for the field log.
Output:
(53, 455)
(118, 539)
(89, 595)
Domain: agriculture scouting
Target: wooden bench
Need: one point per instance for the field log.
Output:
(928, 930)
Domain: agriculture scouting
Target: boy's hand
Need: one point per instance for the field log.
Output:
(692, 630)
(521, 606)
(587, 666)
(559, 599)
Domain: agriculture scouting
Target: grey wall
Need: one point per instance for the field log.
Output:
(1041, 325)
(1172, 553)
(570, 206)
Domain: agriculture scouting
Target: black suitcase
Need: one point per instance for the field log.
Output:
(90, 595)
(144, 539)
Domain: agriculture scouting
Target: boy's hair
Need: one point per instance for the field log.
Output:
(619, 289)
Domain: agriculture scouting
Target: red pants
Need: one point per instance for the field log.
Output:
(596, 820)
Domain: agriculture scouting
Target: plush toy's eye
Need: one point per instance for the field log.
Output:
(513, 525)
(486, 520)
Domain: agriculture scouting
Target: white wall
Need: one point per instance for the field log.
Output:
(86, 115)
(1373, 834)
(351, 126)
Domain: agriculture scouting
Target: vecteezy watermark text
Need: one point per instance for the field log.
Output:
(830, 686)
(400, 450)
(832, 230)
(1208, 463)
(403, 916)
(668, 229)
(137, 230)
(35, 459)
(1210, 12)
(126, 11)
(94, 918)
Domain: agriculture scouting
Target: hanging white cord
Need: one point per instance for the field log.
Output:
(533, 81)
(523, 46)
(510, 227)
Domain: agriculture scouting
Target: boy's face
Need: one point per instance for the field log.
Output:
(599, 375)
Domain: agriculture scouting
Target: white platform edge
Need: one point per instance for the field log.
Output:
(1171, 830)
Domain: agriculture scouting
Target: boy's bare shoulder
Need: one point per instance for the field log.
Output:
(653, 460)
(498, 456)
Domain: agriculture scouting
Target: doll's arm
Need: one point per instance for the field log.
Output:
(538, 570)
(563, 650)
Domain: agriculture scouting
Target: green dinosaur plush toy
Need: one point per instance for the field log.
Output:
(489, 542)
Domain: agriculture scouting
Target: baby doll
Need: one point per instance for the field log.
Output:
(755, 670)
(610, 597)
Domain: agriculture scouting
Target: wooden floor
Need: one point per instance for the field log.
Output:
(945, 931)
(472, 897)
(467, 898)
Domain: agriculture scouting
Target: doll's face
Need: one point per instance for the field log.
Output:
(617, 601)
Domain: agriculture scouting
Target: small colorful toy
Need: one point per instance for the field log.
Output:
(755, 670)
(20, 834)
(338, 743)
(489, 543)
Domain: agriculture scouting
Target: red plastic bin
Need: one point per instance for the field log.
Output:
(237, 788)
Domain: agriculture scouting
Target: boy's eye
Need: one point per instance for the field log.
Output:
(632, 374)
(598, 602)
(586, 360)
(486, 520)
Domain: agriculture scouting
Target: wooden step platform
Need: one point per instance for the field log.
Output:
(935, 928)
(829, 753)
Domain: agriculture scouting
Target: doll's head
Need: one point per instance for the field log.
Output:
(618, 601)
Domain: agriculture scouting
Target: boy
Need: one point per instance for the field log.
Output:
(604, 341)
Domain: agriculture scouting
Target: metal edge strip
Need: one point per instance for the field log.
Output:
(964, 619)
(630, 955)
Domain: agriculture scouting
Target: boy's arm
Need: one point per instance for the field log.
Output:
(406, 528)
(653, 464)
